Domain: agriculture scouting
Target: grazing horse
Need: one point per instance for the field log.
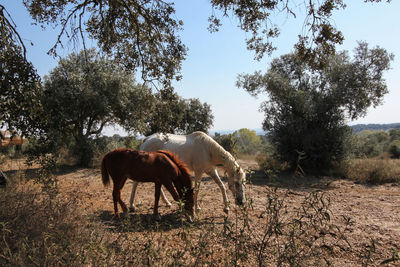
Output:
(200, 153)
(161, 168)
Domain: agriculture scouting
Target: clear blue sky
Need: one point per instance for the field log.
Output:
(215, 60)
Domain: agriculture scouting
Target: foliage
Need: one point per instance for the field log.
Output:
(270, 165)
(248, 142)
(306, 111)
(142, 35)
(371, 143)
(376, 143)
(227, 142)
(394, 149)
(319, 36)
(86, 92)
(19, 83)
(394, 134)
(255, 17)
(105, 144)
(173, 114)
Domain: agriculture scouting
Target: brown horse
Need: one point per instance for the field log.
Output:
(161, 168)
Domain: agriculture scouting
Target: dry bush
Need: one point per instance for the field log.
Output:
(270, 165)
(38, 230)
(372, 171)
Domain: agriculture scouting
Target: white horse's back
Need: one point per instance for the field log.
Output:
(193, 154)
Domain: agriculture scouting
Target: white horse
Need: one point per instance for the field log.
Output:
(201, 154)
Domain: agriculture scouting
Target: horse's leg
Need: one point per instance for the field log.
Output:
(116, 196)
(133, 194)
(117, 193)
(214, 174)
(132, 199)
(164, 198)
(156, 198)
(197, 180)
(171, 189)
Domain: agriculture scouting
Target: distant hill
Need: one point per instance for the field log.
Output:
(361, 127)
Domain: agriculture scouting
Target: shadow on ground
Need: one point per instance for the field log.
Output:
(291, 181)
(138, 222)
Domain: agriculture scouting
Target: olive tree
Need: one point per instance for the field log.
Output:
(87, 92)
(19, 84)
(173, 114)
(306, 109)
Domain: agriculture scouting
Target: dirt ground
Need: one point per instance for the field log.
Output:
(373, 211)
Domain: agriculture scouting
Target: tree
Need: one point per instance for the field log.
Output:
(19, 83)
(307, 109)
(394, 149)
(372, 143)
(142, 35)
(248, 142)
(174, 114)
(86, 92)
(394, 134)
(227, 141)
(197, 116)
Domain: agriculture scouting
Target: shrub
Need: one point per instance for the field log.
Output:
(227, 141)
(270, 165)
(372, 171)
(394, 149)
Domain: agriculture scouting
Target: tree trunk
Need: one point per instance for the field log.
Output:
(83, 150)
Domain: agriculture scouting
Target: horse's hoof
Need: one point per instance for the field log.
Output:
(169, 205)
(198, 209)
(226, 210)
(132, 209)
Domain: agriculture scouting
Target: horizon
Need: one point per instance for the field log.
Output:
(215, 59)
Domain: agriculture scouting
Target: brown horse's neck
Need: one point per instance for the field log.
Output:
(184, 178)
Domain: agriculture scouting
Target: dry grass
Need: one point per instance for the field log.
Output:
(290, 224)
(373, 171)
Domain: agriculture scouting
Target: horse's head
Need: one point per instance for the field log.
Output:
(236, 184)
(185, 193)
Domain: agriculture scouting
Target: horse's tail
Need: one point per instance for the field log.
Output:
(181, 166)
(104, 173)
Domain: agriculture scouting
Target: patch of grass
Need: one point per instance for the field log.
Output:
(372, 171)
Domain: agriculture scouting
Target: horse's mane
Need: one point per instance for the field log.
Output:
(214, 148)
(181, 166)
